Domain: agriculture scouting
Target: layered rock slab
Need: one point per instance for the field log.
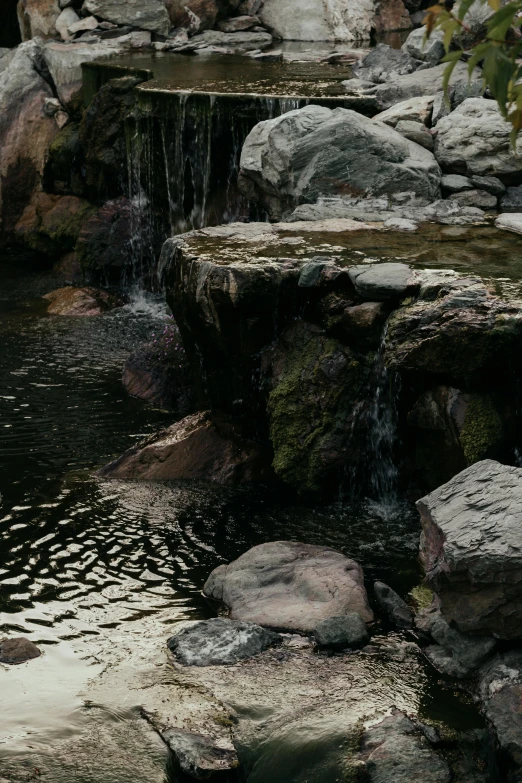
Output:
(471, 548)
(290, 586)
(202, 446)
(220, 641)
(313, 152)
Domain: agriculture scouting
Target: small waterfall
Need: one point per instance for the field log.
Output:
(381, 425)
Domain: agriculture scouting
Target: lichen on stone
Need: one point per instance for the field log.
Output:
(482, 428)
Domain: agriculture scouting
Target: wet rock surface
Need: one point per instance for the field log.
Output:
(290, 586)
(391, 604)
(202, 446)
(220, 641)
(337, 633)
(470, 548)
(500, 692)
(18, 650)
(395, 750)
(82, 302)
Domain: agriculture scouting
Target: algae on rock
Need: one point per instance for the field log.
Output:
(482, 428)
(317, 385)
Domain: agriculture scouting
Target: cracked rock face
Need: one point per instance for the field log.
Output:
(290, 586)
(471, 548)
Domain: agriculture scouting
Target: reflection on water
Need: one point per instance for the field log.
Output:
(97, 573)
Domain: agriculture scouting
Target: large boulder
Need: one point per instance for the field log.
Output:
(475, 140)
(471, 548)
(144, 14)
(202, 446)
(197, 15)
(290, 586)
(314, 152)
(307, 20)
(25, 131)
(383, 63)
(64, 61)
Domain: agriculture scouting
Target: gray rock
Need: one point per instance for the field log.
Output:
(245, 41)
(64, 61)
(290, 586)
(426, 81)
(18, 650)
(430, 51)
(471, 548)
(459, 654)
(491, 185)
(475, 140)
(400, 224)
(415, 131)
(384, 63)
(475, 198)
(395, 609)
(394, 751)
(456, 183)
(382, 281)
(238, 23)
(340, 632)
(500, 690)
(464, 90)
(198, 755)
(144, 14)
(511, 200)
(418, 109)
(220, 641)
(314, 152)
(510, 222)
(307, 20)
(442, 659)
(66, 18)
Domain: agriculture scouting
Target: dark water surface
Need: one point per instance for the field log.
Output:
(98, 573)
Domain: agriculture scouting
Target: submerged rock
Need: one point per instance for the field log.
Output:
(337, 633)
(204, 446)
(220, 641)
(290, 586)
(395, 609)
(395, 750)
(18, 650)
(470, 547)
(313, 152)
(198, 755)
(81, 301)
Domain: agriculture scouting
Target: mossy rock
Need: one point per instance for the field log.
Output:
(318, 383)
(482, 430)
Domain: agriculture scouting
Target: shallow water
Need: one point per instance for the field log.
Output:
(98, 573)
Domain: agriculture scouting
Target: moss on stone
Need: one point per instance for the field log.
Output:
(482, 428)
(422, 596)
(311, 407)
